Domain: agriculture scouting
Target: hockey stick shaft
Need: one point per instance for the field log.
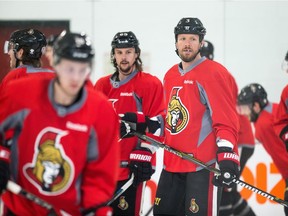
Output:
(121, 190)
(207, 167)
(17, 189)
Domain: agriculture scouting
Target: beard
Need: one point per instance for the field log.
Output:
(125, 70)
(254, 116)
(187, 58)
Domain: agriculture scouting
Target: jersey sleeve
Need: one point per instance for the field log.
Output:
(225, 120)
(246, 136)
(11, 117)
(153, 106)
(100, 176)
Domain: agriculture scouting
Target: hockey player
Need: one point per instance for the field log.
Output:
(202, 121)
(231, 202)
(138, 98)
(49, 49)
(25, 48)
(207, 50)
(65, 147)
(253, 103)
(281, 120)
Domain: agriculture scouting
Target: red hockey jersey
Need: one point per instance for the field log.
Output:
(274, 146)
(246, 136)
(25, 71)
(139, 92)
(67, 156)
(281, 118)
(201, 109)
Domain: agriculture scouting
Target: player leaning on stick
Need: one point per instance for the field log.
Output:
(137, 97)
(201, 120)
(65, 147)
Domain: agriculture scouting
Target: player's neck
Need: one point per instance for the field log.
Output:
(186, 65)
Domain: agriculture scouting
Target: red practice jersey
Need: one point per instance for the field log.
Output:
(281, 119)
(139, 92)
(25, 71)
(201, 109)
(274, 146)
(67, 156)
(246, 136)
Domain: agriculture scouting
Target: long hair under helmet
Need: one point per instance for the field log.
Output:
(126, 40)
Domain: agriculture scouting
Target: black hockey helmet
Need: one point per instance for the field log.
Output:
(207, 50)
(125, 40)
(252, 93)
(73, 46)
(190, 25)
(51, 39)
(32, 41)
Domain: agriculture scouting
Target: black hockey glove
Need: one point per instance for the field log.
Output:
(284, 136)
(4, 168)
(229, 167)
(132, 121)
(140, 165)
(137, 121)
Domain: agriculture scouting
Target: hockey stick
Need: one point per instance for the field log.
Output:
(149, 211)
(211, 169)
(116, 195)
(121, 190)
(17, 189)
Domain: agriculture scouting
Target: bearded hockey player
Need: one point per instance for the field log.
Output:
(138, 98)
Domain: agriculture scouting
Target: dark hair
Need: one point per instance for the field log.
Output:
(126, 40)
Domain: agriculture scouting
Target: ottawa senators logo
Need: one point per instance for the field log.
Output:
(177, 115)
(51, 170)
(194, 208)
(123, 204)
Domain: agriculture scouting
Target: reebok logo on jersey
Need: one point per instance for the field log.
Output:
(140, 157)
(77, 127)
(126, 94)
(188, 82)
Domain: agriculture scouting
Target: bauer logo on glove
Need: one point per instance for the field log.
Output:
(229, 167)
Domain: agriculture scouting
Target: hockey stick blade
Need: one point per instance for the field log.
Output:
(18, 190)
(192, 159)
